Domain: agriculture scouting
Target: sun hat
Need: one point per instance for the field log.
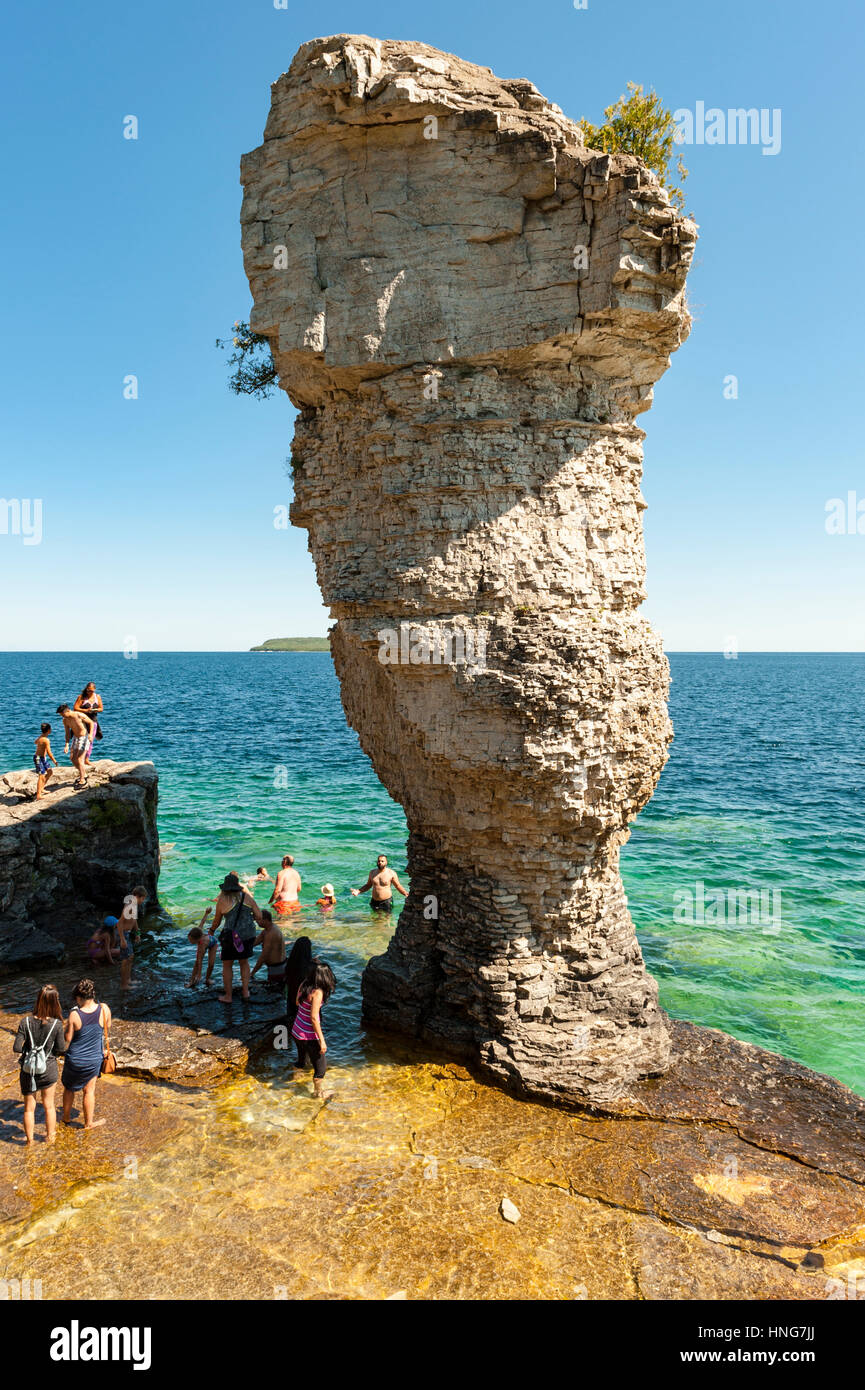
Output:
(327, 890)
(230, 884)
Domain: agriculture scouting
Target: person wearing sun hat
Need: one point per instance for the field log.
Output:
(237, 913)
(328, 896)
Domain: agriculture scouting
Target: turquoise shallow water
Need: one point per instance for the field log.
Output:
(763, 791)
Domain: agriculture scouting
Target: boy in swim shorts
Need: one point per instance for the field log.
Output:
(127, 928)
(79, 729)
(42, 759)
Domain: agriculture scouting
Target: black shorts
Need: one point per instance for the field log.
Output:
(309, 1054)
(230, 953)
(31, 1084)
(382, 904)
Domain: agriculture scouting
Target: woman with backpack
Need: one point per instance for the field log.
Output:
(86, 1048)
(239, 916)
(40, 1040)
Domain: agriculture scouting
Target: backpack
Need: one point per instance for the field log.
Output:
(34, 1060)
(243, 924)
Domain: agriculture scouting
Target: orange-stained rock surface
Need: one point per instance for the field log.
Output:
(739, 1175)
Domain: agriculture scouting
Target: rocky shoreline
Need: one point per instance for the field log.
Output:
(735, 1174)
(738, 1174)
(70, 858)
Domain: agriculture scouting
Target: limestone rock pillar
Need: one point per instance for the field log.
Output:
(469, 309)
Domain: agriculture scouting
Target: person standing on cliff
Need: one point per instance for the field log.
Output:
(79, 734)
(41, 760)
(380, 880)
(91, 704)
(284, 896)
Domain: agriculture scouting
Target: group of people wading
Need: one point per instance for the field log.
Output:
(239, 925)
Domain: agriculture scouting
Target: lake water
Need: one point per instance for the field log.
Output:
(763, 793)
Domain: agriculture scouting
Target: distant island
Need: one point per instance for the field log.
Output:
(294, 644)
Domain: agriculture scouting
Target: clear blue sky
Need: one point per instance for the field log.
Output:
(124, 257)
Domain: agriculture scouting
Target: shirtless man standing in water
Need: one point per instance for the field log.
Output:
(285, 890)
(380, 881)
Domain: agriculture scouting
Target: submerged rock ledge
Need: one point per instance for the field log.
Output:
(736, 1175)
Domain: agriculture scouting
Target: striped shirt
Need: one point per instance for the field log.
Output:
(302, 1027)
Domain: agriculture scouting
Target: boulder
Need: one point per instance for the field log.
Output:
(71, 857)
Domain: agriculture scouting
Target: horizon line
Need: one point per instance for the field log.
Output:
(253, 651)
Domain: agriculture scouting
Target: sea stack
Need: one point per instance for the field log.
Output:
(469, 308)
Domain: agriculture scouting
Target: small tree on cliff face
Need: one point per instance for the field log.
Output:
(639, 124)
(254, 372)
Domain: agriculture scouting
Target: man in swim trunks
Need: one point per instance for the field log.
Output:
(380, 880)
(284, 896)
(272, 943)
(42, 759)
(79, 729)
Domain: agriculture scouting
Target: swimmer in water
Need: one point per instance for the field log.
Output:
(286, 889)
(260, 876)
(328, 897)
(380, 880)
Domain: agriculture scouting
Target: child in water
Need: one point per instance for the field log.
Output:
(206, 944)
(41, 759)
(101, 945)
(306, 1029)
(328, 897)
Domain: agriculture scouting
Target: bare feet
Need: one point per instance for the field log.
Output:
(51, 1140)
(322, 1095)
(95, 1124)
(225, 998)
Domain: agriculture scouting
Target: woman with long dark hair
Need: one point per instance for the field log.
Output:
(90, 703)
(40, 1040)
(306, 1029)
(297, 968)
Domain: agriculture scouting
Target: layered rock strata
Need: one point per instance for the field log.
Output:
(469, 309)
(72, 856)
